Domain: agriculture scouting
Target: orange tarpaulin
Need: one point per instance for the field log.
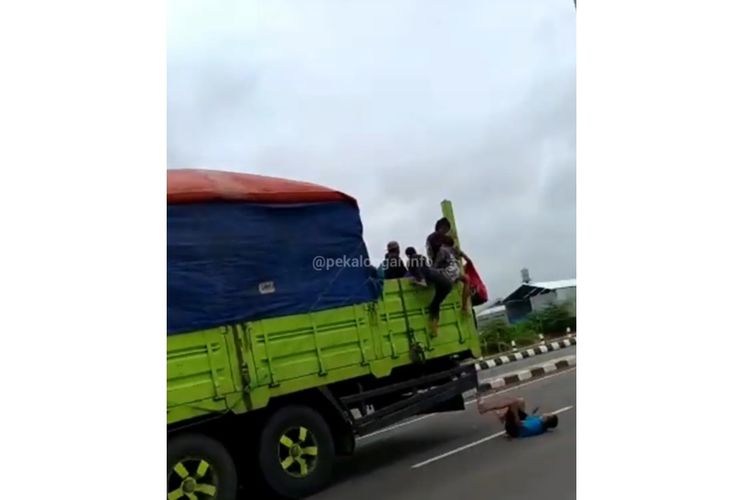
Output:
(195, 186)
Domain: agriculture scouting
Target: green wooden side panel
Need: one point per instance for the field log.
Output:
(201, 373)
(301, 345)
(405, 307)
(240, 369)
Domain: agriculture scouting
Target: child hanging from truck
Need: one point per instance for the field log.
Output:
(448, 262)
(435, 239)
(444, 272)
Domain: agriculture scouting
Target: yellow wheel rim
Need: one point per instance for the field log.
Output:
(298, 451)
(192, 478)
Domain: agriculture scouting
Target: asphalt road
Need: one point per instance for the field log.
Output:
(438, 457)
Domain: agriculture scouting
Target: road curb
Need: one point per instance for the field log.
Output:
(526, 353)
(523, 375)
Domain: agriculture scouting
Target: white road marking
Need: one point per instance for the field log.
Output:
(471, 401)
(457, 450)
(561, 410)
(398, 425)
(471, 445)
(543, 348)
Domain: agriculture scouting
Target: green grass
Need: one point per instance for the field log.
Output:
(497, 336)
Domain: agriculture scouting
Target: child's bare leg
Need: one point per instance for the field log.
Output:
(522, 404)
(465, 295)
(484, 406)
(501, 414)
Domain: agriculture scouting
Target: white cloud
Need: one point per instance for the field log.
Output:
(399, 103)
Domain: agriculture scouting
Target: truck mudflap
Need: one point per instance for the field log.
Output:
(442, 391)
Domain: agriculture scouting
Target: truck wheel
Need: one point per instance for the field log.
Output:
(199, 468)
(296, 452)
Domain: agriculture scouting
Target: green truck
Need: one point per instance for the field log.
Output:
(268, 404)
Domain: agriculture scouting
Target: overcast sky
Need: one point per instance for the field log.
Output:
(400, 104)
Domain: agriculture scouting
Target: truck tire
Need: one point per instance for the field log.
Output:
(296, 452)
(199, 468)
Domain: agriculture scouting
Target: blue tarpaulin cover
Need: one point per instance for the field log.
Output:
(230, 262)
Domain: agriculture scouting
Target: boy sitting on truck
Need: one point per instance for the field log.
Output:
(392, 266)
(416, 264)
(518, 424)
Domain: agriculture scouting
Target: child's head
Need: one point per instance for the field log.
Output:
(443, 225)
(410, 251)
(549, 421)
(448, 241)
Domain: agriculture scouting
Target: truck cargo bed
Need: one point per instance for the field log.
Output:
(239, 368)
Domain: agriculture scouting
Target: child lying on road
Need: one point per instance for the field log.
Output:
(517, 422)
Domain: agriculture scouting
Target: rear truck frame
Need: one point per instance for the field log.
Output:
(269, 405)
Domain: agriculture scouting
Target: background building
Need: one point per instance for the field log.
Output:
(534, 296)
(495, 310)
